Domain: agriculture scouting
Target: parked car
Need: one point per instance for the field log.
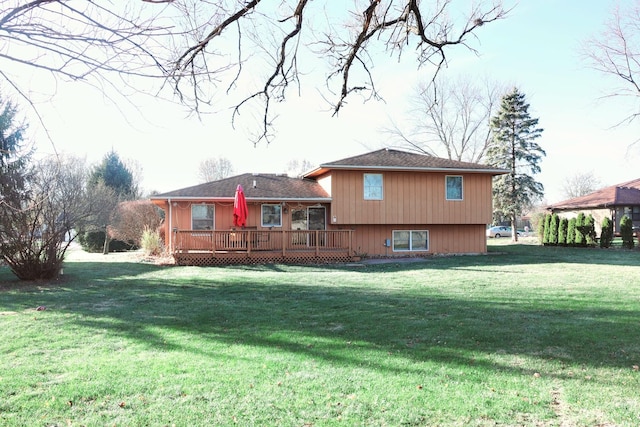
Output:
(499, 231)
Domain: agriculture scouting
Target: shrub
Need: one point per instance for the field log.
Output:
(547, 229)
(590, 230)
(93, 241)
(626, 232)
(580, 239)
(562, 231)
(553, 232)
(606, 235)
(151, 242)
(132, 218)
(571, 232)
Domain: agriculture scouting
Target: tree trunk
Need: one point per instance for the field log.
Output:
(105, 247)
(514, 229)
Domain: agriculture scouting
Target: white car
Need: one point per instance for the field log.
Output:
(499, 231)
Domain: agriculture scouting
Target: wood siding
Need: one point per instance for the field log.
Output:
(369, 240)
(410, 198)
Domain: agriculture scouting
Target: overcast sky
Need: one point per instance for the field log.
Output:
(537, 48)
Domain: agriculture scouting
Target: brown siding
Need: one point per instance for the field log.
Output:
(455, 239)
(410, 198)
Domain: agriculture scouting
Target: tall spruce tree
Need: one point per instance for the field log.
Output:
(513, 147)
(112, 178)
(14, 156)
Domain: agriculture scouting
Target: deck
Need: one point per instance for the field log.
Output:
(250, 246)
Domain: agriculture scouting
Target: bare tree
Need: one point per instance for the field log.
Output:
(132, 218)
(214, 168)
(204, 49)
(452, 118)
(616, 52)
(37, 228)
(580, 184)
(297, 167)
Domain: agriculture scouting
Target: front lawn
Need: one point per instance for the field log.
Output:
(526, 335)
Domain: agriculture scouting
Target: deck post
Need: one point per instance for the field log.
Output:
(317, 243)
(350, 241)
(284, 240)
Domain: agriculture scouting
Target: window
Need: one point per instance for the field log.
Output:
(410, 240)
(202, 217)
(454, 187)
(271, 215)
(373, 186)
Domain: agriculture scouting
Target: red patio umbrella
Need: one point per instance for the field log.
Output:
(240, 211)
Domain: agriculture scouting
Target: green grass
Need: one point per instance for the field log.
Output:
(526, 335)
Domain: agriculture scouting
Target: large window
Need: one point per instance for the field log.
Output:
(202, 217)
(410, 240)
(454, 187)
(271, 215)
(373, 186)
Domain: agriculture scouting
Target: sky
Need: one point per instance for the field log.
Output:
(536, 48)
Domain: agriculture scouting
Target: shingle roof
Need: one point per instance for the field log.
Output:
(625, 194)
(402, 160)
(268, 186)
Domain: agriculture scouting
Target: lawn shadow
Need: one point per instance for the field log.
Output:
(340, 323)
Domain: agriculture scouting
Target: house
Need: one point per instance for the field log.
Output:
(613, 202)
(381, 204)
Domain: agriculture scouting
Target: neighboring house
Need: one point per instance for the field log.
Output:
(383, 203)
(613, 202)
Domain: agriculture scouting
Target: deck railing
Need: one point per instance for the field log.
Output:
(244, 240)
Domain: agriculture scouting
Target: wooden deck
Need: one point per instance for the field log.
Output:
(247, 246)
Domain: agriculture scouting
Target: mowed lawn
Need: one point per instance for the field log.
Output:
(526, 335)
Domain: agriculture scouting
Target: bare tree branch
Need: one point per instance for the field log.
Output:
(451, 118)
(195, 45)
(616, 52)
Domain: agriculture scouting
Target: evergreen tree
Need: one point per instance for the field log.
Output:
(589, 230)
(539, 219)
(114, 174)
(571, 232)
(626, 232)
(14, 157)
(513, 148)
(562, 231)
(115, 181)
(580, 239)
(546, 229)
(606, 235)
(553, 232)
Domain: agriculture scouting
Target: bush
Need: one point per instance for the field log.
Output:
(571, 232)
(562, 231)
(553, 232)
(151, 242)
(590, 230)
(132, 218)
(626, 232)
(606, 235)
(547, 229)
(580, 237)
(93, 241)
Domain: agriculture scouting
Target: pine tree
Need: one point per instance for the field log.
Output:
(14, 157)
(513, 148)
(110, 177)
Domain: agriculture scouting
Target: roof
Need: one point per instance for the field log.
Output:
(625, 194)
(388, 159)
(267, 187)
